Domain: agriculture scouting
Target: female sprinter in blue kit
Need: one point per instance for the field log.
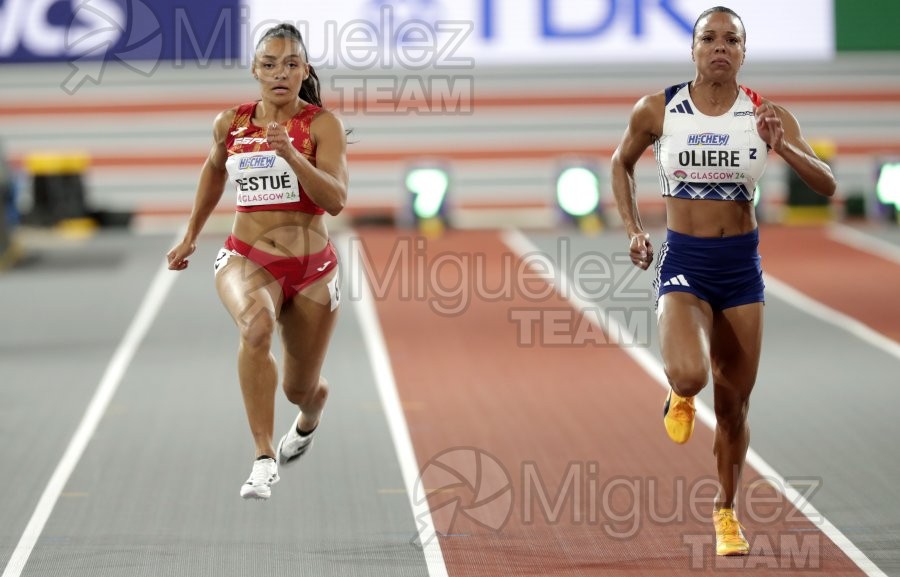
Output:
(711, 137)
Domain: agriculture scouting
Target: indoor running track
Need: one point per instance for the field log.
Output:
(480, 423)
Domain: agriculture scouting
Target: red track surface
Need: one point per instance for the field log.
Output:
(467, 380)
(856, 283)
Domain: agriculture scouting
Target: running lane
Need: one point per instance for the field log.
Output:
(857, 283)
(541, 444)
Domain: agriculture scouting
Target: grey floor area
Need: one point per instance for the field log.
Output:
(156, 491)
(823, 409)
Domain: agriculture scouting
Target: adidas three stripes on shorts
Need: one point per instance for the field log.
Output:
(723, 271)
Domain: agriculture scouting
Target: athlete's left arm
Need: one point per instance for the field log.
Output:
(781, 131)
(325, 181)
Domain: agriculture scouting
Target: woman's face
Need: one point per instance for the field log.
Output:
(280, 67)
(719, 45)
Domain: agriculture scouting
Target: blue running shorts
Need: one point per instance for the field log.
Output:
(723, 271)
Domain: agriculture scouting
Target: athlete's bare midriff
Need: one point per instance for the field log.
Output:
(282, 232)
(710, 218)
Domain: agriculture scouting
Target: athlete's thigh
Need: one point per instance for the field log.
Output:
(685, 322)
(307, 322)
(246, 288)
(736, 345)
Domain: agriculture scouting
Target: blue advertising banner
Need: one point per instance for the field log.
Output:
(421, 34)
(127, 30)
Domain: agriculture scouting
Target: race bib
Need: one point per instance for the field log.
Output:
(714, 157)
(222, 258)
(261, 178)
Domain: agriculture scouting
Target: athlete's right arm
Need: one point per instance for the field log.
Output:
(644, 127)
(209, 191)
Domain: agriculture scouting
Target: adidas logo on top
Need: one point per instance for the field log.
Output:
(677, 281)
(684, 108)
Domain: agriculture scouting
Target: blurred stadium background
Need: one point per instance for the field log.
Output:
(500, 94)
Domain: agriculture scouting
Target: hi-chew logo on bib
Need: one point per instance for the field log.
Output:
(257, 161)
(708, 139)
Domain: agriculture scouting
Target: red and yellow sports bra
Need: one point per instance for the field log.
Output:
(261, 179)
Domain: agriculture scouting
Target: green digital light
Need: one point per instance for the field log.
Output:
(888, 186)
(578, 191)
(429, 186)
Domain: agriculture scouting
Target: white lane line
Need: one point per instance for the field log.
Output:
(520, 245)
(122, 357)
(828, 315)
(864, 242)
(373, 336)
